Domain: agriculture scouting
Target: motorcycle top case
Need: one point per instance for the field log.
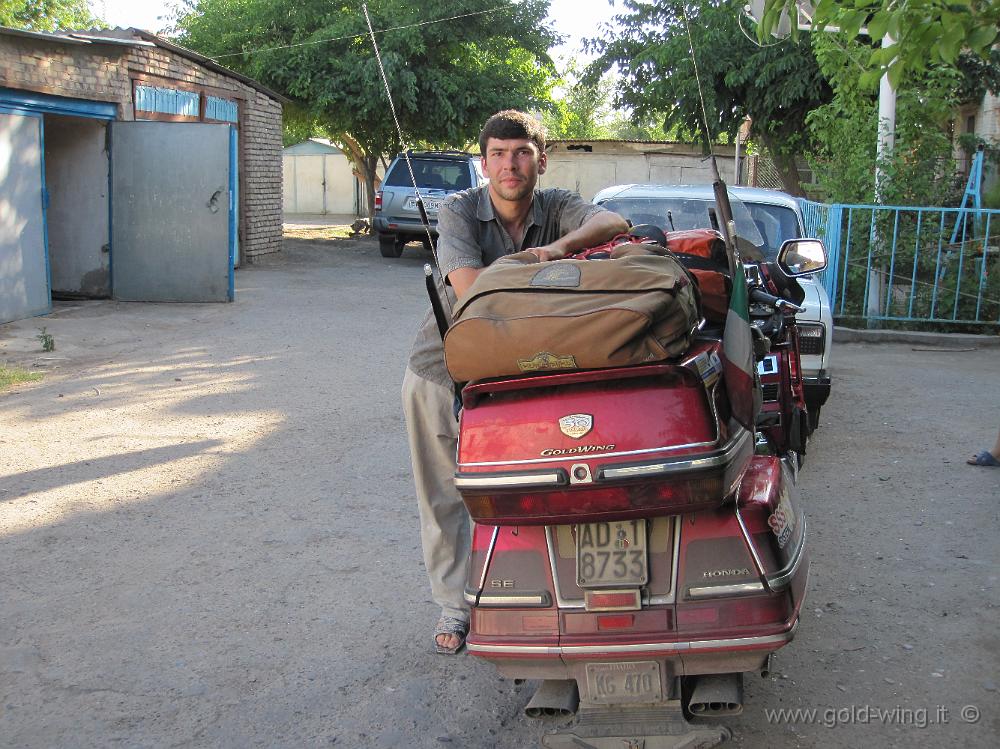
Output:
(522, 317)
(588, 446)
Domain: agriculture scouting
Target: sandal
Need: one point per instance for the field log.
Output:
(985, 458)
(449, 625)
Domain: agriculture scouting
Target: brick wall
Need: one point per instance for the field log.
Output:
(107, 72)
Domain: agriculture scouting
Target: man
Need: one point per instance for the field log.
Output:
(475, 228)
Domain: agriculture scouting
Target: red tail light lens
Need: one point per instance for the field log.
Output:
(616, 621)
(733, 615)
(378, 201)
(678, 494)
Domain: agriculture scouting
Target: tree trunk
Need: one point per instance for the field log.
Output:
(784, 163)
(365, 169)
(371, 176)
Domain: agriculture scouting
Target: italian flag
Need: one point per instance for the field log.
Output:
(739, 370)
(742, 385)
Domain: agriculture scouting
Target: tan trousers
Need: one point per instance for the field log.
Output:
(445, 532)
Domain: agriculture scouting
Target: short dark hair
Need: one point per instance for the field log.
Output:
(510, 124)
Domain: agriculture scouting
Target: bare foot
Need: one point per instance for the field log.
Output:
(449, 635)
(448, 642)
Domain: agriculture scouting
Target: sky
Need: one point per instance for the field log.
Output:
(576, 19)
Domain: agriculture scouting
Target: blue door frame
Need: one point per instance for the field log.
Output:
(234, 203)
(32, 104)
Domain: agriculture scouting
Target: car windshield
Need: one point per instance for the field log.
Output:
(764, 226)
(439, 174)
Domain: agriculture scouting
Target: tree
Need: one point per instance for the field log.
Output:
(775, 85)
(920, 169)
(446, 77)
(584, 108)
(587, 110)
(925, 32)
(46, 15)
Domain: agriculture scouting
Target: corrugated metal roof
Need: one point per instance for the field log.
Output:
(138, 38)
(312, 146)
(8, 31)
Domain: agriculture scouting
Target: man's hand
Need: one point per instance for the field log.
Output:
(549, 252)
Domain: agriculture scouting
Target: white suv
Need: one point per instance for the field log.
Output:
(768, 218)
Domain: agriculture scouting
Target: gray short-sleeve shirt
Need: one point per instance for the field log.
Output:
(471, 236)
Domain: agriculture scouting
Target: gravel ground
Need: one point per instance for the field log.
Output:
(208, 535)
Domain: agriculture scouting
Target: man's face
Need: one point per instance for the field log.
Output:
(513, 167)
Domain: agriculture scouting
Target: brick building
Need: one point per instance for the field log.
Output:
(132, 168)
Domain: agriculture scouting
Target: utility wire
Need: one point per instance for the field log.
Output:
(363, 34)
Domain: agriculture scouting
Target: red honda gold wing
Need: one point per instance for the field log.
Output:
(634, 547)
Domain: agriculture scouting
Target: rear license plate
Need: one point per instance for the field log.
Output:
(611, 554)
(617, 683)
(430, 205)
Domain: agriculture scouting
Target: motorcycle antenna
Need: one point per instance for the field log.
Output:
(742, 382)
(439, 312)
(724, 208)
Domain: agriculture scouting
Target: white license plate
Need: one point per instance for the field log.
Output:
(617, 683)
(611, 554)
(431, 205)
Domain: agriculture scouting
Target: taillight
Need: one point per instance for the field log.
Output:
(676, 495)
(378, 201)
(753, 611)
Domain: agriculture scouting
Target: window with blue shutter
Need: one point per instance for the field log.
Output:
(161, 100)
(222, 110)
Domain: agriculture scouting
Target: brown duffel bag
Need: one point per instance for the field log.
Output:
(521, 316)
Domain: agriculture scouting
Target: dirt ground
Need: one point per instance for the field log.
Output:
(208, 536)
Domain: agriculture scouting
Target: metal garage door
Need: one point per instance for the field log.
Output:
(24, 282)
(172, 195)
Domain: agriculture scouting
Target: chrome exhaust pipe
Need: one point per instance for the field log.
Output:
(554, 698)
(717, 696)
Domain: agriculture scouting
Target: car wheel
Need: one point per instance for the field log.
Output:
(389, 245)
(813, 417)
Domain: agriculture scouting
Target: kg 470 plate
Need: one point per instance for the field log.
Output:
(623, 683)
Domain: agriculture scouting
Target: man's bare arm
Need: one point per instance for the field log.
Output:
(461, 279)
(597, 229)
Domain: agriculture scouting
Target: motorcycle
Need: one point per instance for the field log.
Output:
(634, 547)
(783, 419)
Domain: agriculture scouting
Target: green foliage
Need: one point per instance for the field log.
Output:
(920, 168)
(775, 85)
(46, 15)
(978, 75)
(445, 78)
(298, 124)
(45, 338)
(587, 110)
(926, 32)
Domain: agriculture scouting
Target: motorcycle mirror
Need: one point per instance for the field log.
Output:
(800, 257)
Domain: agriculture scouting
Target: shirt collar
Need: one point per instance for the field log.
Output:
(485, 210)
